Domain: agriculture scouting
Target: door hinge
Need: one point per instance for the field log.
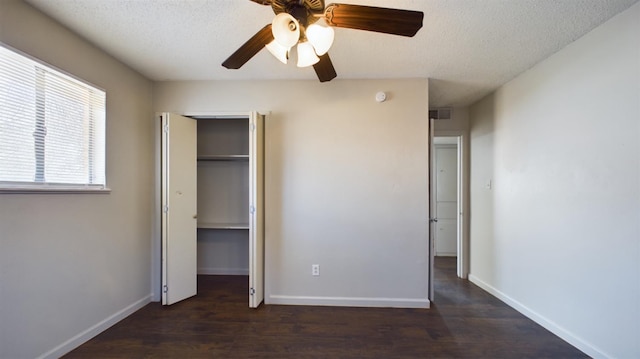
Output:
(165, 289)
(165, 209)
(252, 209)
(252, 291)
(166, 128)
(433, 220)
(252, 127)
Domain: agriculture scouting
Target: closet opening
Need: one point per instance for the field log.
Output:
(223, 243)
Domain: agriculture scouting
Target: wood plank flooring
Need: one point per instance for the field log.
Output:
(464, 322)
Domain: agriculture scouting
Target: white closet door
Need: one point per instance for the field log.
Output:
(179, 208)
(256, 209)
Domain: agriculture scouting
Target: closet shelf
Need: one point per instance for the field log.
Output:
(223, 225)
(223, 157)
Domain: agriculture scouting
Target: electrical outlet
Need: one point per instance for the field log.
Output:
(315, 269)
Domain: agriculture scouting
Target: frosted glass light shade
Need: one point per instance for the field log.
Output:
(321, 37)
(285, 29)
(306, 55)
(278, 51)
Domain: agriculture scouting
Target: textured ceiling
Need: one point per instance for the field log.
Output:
(466, 48)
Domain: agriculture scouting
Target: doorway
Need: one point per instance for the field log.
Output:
(445, 181)
(448, 214)
(211, 201)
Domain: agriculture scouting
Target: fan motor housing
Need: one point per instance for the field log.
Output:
(297, 7)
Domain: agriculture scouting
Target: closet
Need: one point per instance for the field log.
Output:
(212, 201)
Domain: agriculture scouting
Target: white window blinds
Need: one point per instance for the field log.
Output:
(52, 127)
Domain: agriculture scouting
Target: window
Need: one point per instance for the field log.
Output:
(52, 128)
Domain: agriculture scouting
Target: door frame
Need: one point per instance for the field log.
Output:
(430, 205)
(156, 241)
(462, 241)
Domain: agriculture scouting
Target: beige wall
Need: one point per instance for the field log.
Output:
(458, 124)
(346, 184)
(71, 264)
(558, 233)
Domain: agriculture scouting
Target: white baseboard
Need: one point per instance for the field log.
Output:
(446, 254)
(551, 326)
(349, 301)
(223, 271)
(96, 329)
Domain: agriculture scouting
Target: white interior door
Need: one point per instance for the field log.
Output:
(179, 208)
(256, 210)
(446, 196)
(462, 244)
(432, 218)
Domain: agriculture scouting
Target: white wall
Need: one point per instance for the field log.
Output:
(346, 184)
(558, 235)
(72, 264)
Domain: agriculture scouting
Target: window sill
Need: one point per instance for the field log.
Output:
(54, 190)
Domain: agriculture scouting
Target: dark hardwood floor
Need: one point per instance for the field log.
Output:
(464, 322)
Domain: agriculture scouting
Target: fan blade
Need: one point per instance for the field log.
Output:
(249, 48)
(262, 2)
(324, 69)
(378, 19)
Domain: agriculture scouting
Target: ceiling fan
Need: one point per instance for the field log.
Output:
(300, 23)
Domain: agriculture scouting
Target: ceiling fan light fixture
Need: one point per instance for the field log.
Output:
(306, 54)
(309, 25)
(321, 37)
(278, 51)
(286, 30)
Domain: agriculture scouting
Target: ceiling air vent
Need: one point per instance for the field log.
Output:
(440, 114)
